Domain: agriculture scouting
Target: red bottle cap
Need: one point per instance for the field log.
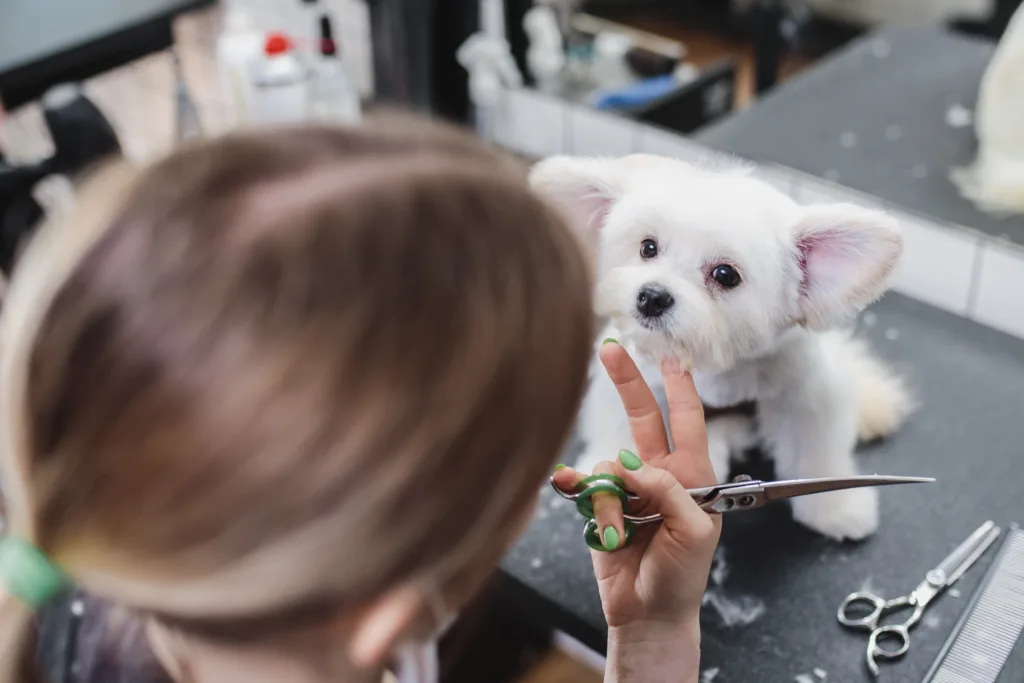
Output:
(277, 44)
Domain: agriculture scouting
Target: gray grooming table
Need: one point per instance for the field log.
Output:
(967, 434)
(888, 94)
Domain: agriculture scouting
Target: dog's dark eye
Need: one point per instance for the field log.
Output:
(648, 249)
(726, 276)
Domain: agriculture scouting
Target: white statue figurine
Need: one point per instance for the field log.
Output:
(546, 54)
(995, 181)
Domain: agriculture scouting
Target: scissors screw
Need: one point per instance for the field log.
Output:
(747, 501)
(936, 577)
(739, 478)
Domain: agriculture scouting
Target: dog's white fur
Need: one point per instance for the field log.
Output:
(775, 339)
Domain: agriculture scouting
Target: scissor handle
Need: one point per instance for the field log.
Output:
(593, 539)
(868, 621)
(583, 496)
(599, 483)
(896, 632)
(879, 606)
(709, 498)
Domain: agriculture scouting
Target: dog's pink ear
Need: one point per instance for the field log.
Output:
(585, 189)
(847, 254)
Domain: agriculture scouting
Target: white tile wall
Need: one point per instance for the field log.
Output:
(999, 300)
(531, 123)
(594, 133)
(778, 177)
(937, 265)
(651, 140)
(810, 190)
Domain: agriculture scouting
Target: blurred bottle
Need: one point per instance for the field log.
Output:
(280, 83)
(332, 94)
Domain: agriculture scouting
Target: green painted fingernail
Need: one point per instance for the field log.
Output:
(560, 467)
(610, 340)
(611, 538)
(629, 460)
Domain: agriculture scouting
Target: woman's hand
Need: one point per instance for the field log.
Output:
(651, 591)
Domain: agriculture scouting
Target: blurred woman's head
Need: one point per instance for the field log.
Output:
(294, 385)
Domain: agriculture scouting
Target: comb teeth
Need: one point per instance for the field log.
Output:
(982, 642)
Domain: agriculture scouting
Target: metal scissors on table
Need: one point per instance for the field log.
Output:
(935, 581)
(743, 493)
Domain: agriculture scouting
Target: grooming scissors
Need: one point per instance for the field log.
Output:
(937, 580)
(743, 493)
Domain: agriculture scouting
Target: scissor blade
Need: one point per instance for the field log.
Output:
(777, 490)
(968, 552)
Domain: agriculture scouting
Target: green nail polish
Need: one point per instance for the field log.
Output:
(611, 538)
(629, 460)
(560, 467)
(610, 340)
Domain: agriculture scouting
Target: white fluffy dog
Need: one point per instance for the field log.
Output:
(726, 273)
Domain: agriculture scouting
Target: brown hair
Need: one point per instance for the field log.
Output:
(277, 373)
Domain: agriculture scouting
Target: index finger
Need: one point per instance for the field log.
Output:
(645, 419)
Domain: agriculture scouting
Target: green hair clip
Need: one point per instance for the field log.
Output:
(28, 574)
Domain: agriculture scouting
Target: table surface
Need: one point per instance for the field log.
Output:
(968, 434)
(41, 38)
(885, 97)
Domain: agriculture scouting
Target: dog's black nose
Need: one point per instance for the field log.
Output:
(653, 301)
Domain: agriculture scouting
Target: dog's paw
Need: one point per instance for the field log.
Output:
(843, 515)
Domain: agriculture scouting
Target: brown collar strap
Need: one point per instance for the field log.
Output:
(746, 409)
